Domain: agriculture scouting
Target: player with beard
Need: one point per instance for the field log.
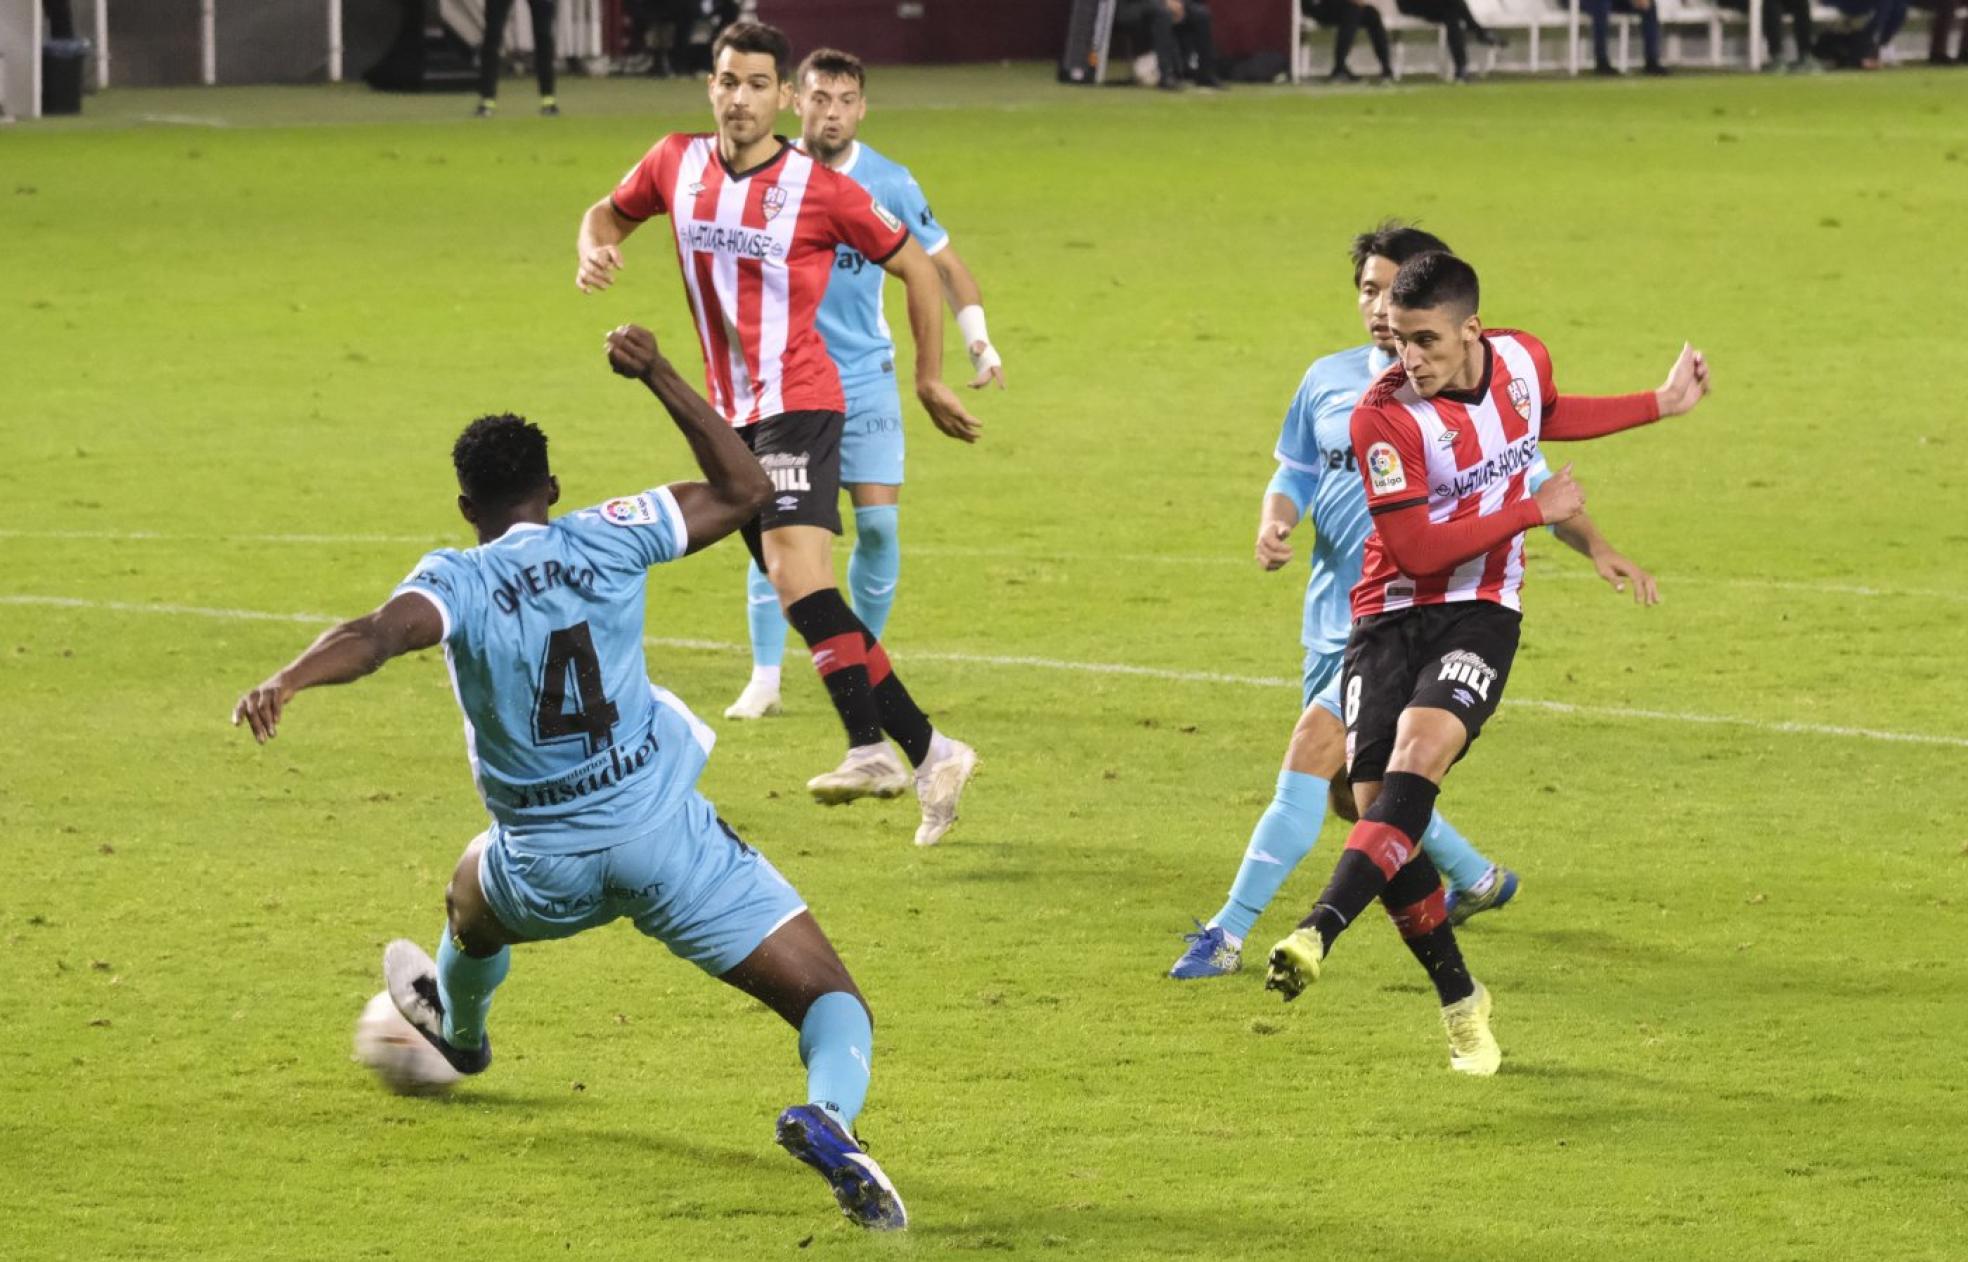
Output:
(831, 102)
(756, 224)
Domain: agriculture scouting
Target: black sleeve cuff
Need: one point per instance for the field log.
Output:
(892, 253)
(1397, 506)
(617, 208)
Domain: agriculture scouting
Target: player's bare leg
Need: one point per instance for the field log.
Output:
(447, 999)
(797, 973)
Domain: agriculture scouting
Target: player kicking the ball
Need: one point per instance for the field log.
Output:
(1445, 444)
(589, 770)
(756, 224)
(1316, 470)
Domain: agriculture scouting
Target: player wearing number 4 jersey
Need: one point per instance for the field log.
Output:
(589, 771)
(1445, 443)
(756, 224)
(1316, 480)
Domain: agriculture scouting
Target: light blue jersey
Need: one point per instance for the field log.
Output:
(573, 748)
(1317, 471)
(851, 320)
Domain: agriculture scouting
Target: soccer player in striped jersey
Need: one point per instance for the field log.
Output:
(1316, 473)
(831, 100)
(589, 771)
(1445, 443)
(756, 224)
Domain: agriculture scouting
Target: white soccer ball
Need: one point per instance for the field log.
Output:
(392, 1048)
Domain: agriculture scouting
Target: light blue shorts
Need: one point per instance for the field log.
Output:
(694, 887)
(871, 441)
(1322, 672)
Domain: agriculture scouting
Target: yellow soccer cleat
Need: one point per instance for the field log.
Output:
(1295, 963)
(1472, 1048)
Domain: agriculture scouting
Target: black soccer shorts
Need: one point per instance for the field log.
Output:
(1453, 657)
(801, 454)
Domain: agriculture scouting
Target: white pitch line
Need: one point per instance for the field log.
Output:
(1037, 556)
(1084, 668)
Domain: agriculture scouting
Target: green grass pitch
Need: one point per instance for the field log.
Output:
(238, 330)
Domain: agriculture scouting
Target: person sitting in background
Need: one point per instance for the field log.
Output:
(1602, 12)
(1344, 18)
(1454, 17)
(1773, 16)
(1181, 35)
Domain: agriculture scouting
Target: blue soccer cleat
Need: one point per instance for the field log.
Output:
(863, 1191)
(1209, 955)
(1462, 904)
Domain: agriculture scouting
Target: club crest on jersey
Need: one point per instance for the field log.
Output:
(773, 202)
(630, 510)
(1384, 469)
(1520, 397)
(881, 213)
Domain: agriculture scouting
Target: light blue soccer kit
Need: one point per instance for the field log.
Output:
(853, 326)
(588, 770)
(1318, 472)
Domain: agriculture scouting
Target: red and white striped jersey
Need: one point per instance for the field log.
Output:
(756, 248)
(1465, 454)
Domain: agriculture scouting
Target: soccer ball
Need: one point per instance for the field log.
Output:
(392, 1048)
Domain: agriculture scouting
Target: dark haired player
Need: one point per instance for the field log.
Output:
(1316, 473)
(589, 771)
(832, 100)
(756, 224)
(1445, 442)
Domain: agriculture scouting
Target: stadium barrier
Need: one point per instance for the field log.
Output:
(163, 43)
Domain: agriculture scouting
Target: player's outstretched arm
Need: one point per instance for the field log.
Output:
(1573, 417)
(342, 655)
(603, 229)
(1581, 535)
(967, 304)
(735, 487)
(924, 288)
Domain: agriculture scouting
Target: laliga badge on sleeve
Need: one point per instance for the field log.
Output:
(882, 213)
(630, 510)
(1384, 469)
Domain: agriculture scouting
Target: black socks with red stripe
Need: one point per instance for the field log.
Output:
(1387, 837)
(1414, 903)
(839, 645)
(901, 717)
(864, 688)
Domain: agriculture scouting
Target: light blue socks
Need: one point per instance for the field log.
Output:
(1284, 835)
(875, 566)
(837, 1045)
(764, 618)
(1458, 861)
(465, 984)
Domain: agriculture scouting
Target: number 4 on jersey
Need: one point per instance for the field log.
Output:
(571, 650)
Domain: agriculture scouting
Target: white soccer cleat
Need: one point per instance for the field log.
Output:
(939, 784)
(1472, 1048)
(758, 701)
(870, 771)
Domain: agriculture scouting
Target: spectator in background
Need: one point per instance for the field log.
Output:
(1773, 16)
(496, 13)
(677, 34)
(1945, 12)
(1454, 17)
(1180, 32)
(1344, 18)
(1648, 11)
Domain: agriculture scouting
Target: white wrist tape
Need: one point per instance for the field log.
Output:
(970, 321)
